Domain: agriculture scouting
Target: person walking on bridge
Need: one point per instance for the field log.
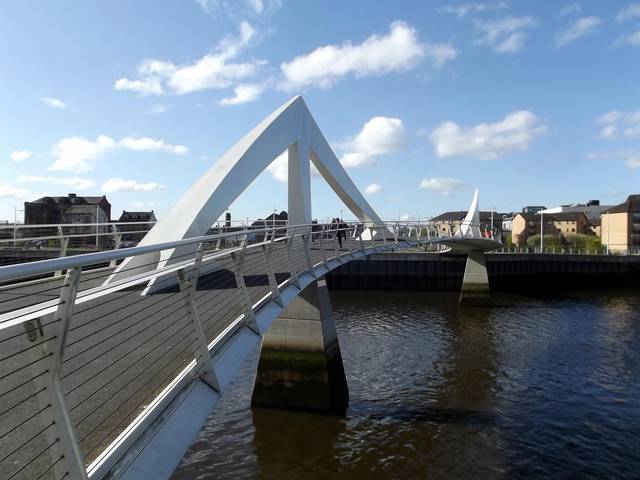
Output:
(342, 230)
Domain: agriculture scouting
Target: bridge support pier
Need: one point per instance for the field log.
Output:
(475, 284)
(300, 364)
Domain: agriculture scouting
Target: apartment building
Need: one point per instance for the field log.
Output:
(621, 226)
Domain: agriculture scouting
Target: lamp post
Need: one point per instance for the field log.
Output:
(541, 229)
(15, 224)
(97, 222)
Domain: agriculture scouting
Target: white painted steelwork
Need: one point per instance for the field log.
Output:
(115, 410)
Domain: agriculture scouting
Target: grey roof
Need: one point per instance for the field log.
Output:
(631, 204)
(75, 200)
(553, 217)
(458, 216)
(136, 216)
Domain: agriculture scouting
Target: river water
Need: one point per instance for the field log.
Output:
(532, 387)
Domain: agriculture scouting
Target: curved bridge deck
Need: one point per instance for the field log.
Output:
(128, 356)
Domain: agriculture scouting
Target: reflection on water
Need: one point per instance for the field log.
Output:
(527, 388)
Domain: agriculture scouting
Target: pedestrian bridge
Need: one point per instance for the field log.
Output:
(111, 361)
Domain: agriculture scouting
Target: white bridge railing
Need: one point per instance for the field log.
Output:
(87, 365)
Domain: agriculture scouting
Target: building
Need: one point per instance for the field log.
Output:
(571, 223)
(592, 209)
(448, 223)
(524, 225)
(533, 208)
(69, 209)
(621, 226)
(134, 218)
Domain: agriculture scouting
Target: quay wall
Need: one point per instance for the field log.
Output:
(507, 272)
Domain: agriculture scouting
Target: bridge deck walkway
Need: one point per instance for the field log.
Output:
(121, 351)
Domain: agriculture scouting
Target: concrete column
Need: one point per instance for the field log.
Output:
(300, 364)
(475, 284)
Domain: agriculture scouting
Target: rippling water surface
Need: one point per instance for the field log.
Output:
(529, 388)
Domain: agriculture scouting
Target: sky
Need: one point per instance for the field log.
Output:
(532, 102)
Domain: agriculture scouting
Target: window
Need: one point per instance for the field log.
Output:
(573, 229)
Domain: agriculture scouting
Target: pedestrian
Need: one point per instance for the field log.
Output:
(342, 230)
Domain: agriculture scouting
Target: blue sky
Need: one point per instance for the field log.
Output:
(532, 102)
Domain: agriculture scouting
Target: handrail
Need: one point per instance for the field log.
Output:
(11, 226)
(11, 272)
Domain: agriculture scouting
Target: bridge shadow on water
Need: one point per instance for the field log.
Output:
(439, 391)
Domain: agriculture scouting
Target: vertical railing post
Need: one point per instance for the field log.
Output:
(267, 251)
(72, 458)
(395, 233)
(64, 245)
(324, 254)
(352, 248)
(307, 255)
(188, 286)
(117, 240)
(362, 239)
(238, 260)
(292, 267)
(384, 234)
(64, 242)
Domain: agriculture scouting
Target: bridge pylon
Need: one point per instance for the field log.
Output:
(470, 240)
(300, 364)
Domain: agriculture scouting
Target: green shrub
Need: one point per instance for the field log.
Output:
(584, 242)
(549, 241)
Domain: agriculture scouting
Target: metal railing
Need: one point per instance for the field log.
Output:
(22, 243)
(86, 365)
(567, 250)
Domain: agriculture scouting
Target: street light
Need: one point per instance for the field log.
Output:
(541, 229)
(15, 223)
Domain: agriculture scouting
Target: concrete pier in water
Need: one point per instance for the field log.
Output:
(300, 364)
(475, 283)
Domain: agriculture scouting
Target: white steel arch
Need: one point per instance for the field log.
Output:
(470, 227)
(290, 127)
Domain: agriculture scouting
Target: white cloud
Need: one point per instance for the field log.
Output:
(487, 140)
(213, 71)
(631, 158)
(53, 102)
(239, 8)
(9, 191)
(581, 27)
(444, 186)
(379, 136)
(398, 51)
(505, 35)
(279, 168)
(148, 86)
(570, 9)
(77, 154)
(633, 161)
(629, 12)
(243, 93)
(75, 182)
(373, 188)
(120, 185)
(157, 109)
(462, 10)
(633, 40)
(20, 155)
(152, 145)
(616, 122)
